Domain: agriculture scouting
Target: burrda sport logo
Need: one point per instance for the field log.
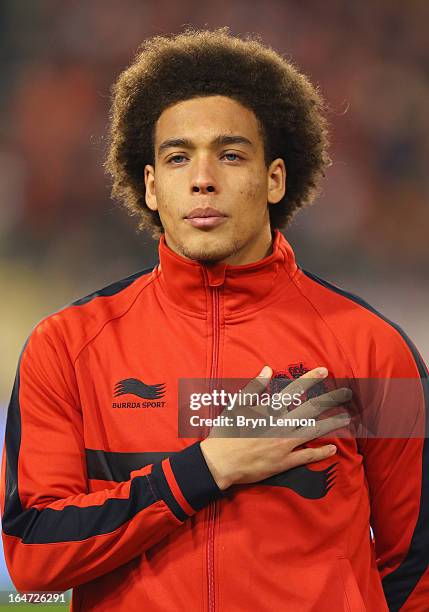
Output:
(136, 387)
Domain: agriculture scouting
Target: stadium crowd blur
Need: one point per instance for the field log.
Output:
(60, 234)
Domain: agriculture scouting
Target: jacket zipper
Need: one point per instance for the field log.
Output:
(213, 505)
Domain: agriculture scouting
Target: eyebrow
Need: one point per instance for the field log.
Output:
(221, 140)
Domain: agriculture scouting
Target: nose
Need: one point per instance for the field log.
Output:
(203, 181)
(203, 188)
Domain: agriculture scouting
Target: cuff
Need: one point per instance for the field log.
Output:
(185, 482)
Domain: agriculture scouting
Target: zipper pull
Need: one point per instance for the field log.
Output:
(215, 274)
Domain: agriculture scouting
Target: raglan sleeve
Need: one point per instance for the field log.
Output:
(396, 462)
(56, 534)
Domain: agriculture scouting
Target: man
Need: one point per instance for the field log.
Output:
(215, 143)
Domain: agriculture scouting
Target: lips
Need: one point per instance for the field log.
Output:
(203, 213)
(205, 218)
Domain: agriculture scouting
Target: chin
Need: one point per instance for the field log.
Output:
(209, 249)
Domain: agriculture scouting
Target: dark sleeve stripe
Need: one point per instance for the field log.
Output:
(399, 584)
(72, 523)
(116, 466)
(12, 504)
(113, 288)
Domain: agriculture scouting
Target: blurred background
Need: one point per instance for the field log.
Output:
(62, 237)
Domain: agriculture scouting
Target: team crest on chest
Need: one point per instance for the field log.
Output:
(282, 378)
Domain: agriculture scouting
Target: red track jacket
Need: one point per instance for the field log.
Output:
(100, 494)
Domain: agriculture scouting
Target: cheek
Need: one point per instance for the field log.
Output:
(161, 185)
(254, 191)
(166, 195)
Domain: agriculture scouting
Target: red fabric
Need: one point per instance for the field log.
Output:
(258, 547)
(175, 489)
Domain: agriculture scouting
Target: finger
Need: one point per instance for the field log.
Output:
(299, 386)
(305, 434)
(260, 382)
(250, 408)
(315, 406)
(300, 434)
(309, 455)
(256, 386)
(306, 381)
(249, 395)
(310, 409)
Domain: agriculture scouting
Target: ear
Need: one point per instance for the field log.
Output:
(149, 181)
(276, 175)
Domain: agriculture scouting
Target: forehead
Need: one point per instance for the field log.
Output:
(206, 117)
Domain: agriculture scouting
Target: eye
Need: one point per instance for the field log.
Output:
(176, 159)
(231, 156)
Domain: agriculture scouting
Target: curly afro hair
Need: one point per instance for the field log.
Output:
(198, 63)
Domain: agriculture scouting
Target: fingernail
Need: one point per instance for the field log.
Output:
(322, 372)
(265, 372)
(332, 449)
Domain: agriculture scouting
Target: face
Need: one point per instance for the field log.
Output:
(210, 184)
